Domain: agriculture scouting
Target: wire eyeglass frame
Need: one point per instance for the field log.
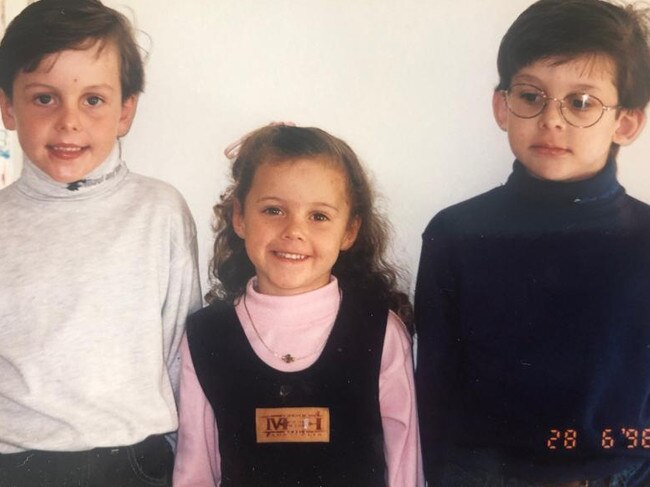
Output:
(563, 102)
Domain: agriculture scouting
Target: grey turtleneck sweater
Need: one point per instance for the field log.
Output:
(96, 280)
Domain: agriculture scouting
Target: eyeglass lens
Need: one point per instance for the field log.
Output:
(578, 109)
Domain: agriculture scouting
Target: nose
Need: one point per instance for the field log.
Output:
(294, 229)
(551, 116)
(69, 118)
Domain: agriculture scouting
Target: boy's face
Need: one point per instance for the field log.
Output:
(69, 112)
(547, 145)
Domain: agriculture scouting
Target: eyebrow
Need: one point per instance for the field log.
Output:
(529, 79)
(275, 199)
(36, 85)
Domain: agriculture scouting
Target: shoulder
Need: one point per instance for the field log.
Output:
(211, 331)
(209, 317)
(8, 193)
(639, 207)
(469, 215)
(363, 304)
(396, 329)
(634, 215)
(11, 191)
(152, 189)
(164, 203)
(397, 349)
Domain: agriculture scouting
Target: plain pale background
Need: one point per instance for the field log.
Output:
(407, 83)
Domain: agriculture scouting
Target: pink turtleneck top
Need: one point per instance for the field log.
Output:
(300, 325)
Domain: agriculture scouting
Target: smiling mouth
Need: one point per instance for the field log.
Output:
(66, 151)
(290, 256)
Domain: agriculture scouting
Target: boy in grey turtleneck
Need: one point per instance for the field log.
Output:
(97, 265)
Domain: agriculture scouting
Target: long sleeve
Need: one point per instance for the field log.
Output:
(197, 461)
(120, 277)
(531, 311)
(398, 408)
(183, 293)
(438, 345)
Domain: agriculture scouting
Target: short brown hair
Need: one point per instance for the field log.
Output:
(49, 26)
(566, 29)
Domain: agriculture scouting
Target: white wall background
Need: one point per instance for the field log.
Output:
(408, 83)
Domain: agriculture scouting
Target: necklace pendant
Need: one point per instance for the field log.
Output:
(288, 358)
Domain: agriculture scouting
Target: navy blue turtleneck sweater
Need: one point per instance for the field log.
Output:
(533, 320)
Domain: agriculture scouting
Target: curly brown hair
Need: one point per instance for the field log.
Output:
(363, 266)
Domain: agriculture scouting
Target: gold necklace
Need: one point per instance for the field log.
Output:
(288, 358)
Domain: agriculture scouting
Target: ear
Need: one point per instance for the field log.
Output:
(500, 109)
(238, 219)
(129, 107)
(351, 233)
(8, 117)
(630, 124)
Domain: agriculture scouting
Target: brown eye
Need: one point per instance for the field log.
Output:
(580, 101)
(43, 99)
(272, 210)
(93, 101)
(524, 94)
(530, 97)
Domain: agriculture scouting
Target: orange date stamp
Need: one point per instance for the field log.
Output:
(629, 438)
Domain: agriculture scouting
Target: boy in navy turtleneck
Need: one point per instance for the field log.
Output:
(533, 299)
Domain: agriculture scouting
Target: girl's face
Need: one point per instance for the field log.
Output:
(295, 221)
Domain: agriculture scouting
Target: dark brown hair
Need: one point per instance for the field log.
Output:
(363, 266)
(565, 29)
(49, 26)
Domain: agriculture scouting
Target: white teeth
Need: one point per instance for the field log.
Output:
(66, 149)
(285, 255)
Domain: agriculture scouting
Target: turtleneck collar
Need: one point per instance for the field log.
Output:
(299, 324)
(601, 187)
(36, 184)
(291, 311)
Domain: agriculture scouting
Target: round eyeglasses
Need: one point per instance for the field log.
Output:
(580, 110)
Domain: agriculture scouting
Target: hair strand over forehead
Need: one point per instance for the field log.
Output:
(49, 26)
(567, 29)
